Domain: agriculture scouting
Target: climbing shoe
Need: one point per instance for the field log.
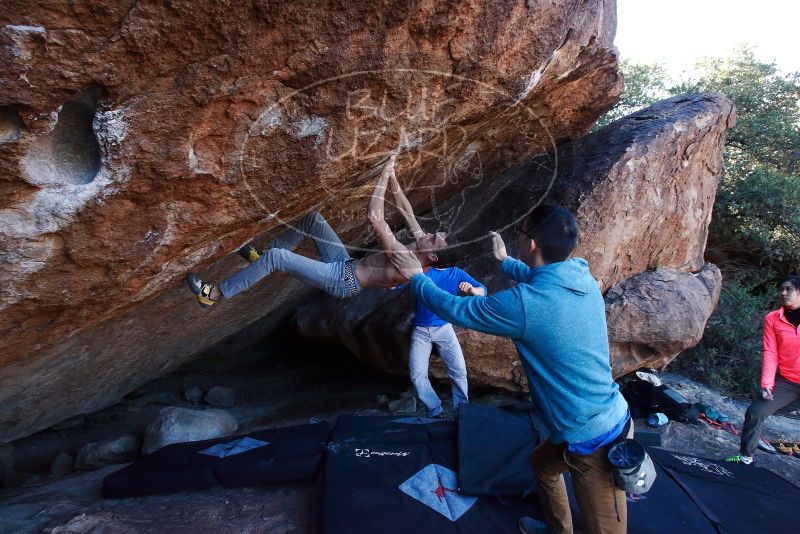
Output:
(249, 253)
(201, 289)
(739, 459)
(785, 447)
(766, 446)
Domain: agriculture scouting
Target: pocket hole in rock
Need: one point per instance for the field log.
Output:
(70, 153)
(10, 124)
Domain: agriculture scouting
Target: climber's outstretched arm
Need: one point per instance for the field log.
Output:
(376, 212)
(404, 206)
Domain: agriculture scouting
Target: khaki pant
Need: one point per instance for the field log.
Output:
(594, 488)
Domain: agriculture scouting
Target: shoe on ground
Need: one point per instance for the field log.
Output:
(739, 459)
(249, 253)
(529, 525)
(435, 414)
(785, 447)
(201, 289)
(766, 446)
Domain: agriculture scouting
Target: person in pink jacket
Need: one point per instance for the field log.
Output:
(780, 371)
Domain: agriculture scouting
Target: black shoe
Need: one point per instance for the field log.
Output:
(249, 253)
(529, 525)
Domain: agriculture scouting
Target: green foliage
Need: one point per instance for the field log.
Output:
(757, 217)
(767, 103)
(644, 85)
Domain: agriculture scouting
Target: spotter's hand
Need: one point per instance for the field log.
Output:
(498, 246)
(406, 263)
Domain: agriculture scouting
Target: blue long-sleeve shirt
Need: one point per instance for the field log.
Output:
(447, 279)
(566, 360)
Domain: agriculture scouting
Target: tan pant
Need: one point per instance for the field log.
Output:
(594, 488)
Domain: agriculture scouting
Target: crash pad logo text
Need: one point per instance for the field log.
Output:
(366, 453)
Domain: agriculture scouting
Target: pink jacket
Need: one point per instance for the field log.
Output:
(781, 349)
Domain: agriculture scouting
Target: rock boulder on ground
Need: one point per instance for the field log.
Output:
(110, 451)
(654, 316)
(220, 396)
(180, 425)
(193, 394)
(403, 405)
(642, 189)
(144, 140)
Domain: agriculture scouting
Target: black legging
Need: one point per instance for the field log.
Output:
(784, 392)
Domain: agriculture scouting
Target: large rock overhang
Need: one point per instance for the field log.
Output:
(141, 141)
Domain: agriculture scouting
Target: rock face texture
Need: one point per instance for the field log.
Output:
(642, 189)
(654, 316)
(144, 140)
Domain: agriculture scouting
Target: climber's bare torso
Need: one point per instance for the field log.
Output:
(376, 270)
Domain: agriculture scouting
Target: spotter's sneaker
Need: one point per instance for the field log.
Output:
(249, 253)
(739, 459)
(529, 525)
(201, 289)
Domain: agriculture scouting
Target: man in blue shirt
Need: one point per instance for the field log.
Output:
(430, 329)
(555, 315)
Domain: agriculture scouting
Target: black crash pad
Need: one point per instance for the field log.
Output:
(494, 450)
(495, 445)
(280, 454)
(391, 429)
(734, 497)
(402, 487)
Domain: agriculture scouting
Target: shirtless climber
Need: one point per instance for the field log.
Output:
(335, 272)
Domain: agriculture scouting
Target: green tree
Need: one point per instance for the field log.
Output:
(767, 103)
(644, 85)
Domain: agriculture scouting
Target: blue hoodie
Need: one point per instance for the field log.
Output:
(556, 317)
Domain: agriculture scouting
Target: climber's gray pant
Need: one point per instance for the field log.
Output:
(333, 273)
(784, 393)
(444, 337)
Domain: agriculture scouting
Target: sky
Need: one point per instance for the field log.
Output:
(677, 33)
